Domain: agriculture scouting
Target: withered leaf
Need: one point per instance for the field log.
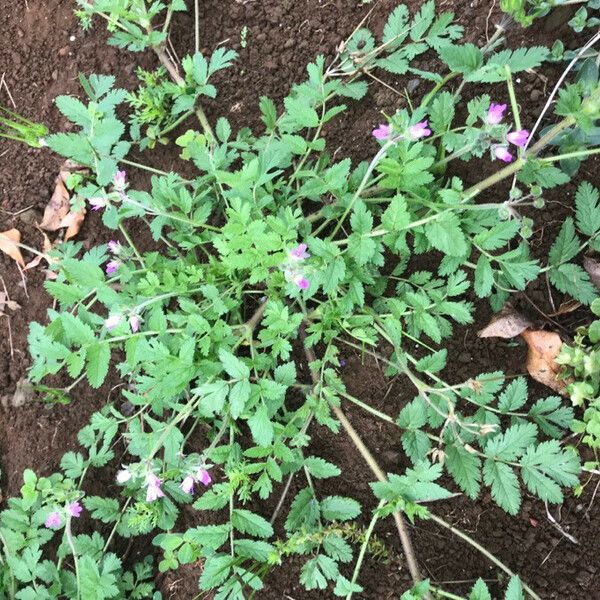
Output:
(593, 270)
(507, 324)
(73, 222)
(544, 347)
(58, 207)
(9, 241)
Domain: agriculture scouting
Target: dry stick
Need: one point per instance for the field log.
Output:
(407, 546)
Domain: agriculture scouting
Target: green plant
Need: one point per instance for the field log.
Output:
(526, 11)
(277, 253)
(582, 370)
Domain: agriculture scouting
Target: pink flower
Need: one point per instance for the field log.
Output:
(112, 266)
(299, 252)
(134, 323)
(123, 476)
(114, 247)
(187, 485)
(119, 180)
(112, 322)
(502, 153)
(419, 130)
(53, 521)
(495, 113)
(74, 509)
(98, 203)
(301, 281)
(383, 132)
(204, 477)
(153, 491)
(518, 138)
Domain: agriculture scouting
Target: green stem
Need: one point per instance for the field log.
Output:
(443, 594)
(363, 548)
(173, 125)
(138, 165)
(73, 551)
(368, 408)
(130, 242)
(577, 154)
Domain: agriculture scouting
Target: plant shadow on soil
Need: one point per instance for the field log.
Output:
(41, 53)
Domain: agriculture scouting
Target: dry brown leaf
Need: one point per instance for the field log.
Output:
(8, 244)
(73, 222)
(58, 207)
(507, 324)
(593, 270)
(544, 347)
(6, 302)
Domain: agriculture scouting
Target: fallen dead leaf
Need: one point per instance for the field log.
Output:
(507, 324)
(58, 207)
(47, 246)
(6, 302)
(544, 347)
(73, 222)
(58, 214)
(593, 270)
(9, 241)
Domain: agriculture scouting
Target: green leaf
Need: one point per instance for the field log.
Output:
(261, 427)
(320, 468)
(238, 396)
(504, 485)
(566, 245)
(442, 112)
(514, 591)
(106, 510)
(246, 521)
(514, 395)
(573, 280)
(416, 444)
(98, 359)
(215, 570)
(588, 209)
(551, 416)
(512, 443)
(208, 536)
(484, 277)
(301, 112)
(396, 28)
(433, 362)
(337, 508)
(464, 59)
(304, 511)
(465, 469)
(343, 586)
(445, 234)
(234, 367)
(480, 591)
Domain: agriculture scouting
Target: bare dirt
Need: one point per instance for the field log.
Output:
(42, 51)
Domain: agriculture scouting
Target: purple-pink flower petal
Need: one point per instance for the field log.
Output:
(518, 138)
(97, 203)
(204, 477)
(53, 521)
(301, 282)
(112, 266)
(383, 132)
(495, 113)
(419, 130)
(153, 491)
(502, 153)
(112, 322)
(187, 485)
(119, 180)
(299, 252)
(134, 323)
(123, 476)
(114, 247)
(74, 509)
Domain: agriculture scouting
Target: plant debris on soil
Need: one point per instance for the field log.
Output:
(42, 52)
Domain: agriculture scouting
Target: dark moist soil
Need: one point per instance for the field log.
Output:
(42, 50)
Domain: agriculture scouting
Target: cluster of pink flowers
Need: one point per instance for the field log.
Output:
(385, 132)
(119, 183)
(153, 483)
(518, 138)
(200, 476)
(54, 519)
(293, 268)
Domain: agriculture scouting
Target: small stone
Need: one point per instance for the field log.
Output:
(535, 95)
(54, 75)
(63, 51)
(465, 357)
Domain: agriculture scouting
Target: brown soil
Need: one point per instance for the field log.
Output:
(40, 60)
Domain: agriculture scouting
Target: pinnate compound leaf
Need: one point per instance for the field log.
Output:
(445, 235)
(504, 485)
(465, 469)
